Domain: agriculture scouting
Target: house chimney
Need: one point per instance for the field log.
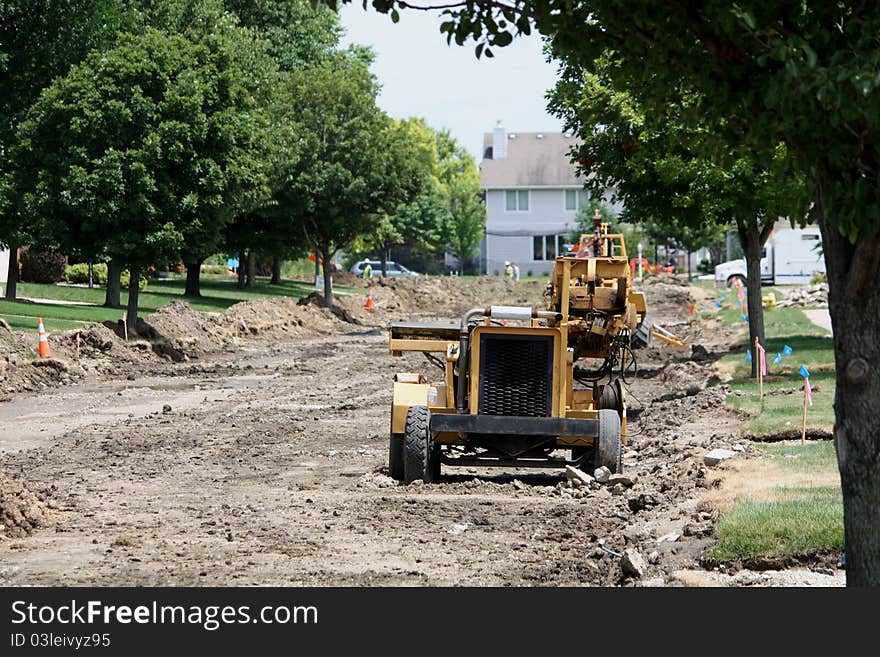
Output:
(499, 142)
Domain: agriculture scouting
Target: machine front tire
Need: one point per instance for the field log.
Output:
(420, 457)
(609, 448)
(395, 456)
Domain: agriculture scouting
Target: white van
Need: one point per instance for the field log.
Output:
(791, 257)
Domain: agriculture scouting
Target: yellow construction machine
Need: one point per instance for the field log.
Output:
(522, 386)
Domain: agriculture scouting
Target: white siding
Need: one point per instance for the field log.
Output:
(509, 235)
(4, 264)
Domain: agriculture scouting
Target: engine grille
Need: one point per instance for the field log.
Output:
(516, 375)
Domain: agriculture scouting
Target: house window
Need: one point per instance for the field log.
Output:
(547, 247)
(538, 247)
(575, 200)
(550, 246)
(516, 201)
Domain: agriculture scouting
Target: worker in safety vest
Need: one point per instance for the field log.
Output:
(508, 270)
(368, 270)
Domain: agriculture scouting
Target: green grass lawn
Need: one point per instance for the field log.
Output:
(811, 346)
(783, 412)
(218, 293)
(802, 516)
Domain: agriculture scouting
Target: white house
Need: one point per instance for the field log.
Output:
(532, 198)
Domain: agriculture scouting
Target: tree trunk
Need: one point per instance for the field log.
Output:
(251, 268)
(854, 303)
(133, 290)
(328, 280)
(317, 269)
(689, 265)
(384, 261)
(753, 243)
(193, 278)
(276, 272)
(12, 274)
(241, 268)
(114, 285)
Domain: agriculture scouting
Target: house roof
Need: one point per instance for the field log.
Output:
(531, 161)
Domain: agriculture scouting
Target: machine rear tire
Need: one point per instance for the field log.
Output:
(609, 448)
(420, 457)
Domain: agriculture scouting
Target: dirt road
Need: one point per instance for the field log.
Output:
(265, 465)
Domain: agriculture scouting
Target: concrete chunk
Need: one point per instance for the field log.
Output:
(717, 455)
(633, 564)
(626, 480)
(577, 475)
(602, 474)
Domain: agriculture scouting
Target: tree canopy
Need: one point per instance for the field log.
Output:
(139, 148)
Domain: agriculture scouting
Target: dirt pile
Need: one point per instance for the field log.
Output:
(20, 509)
(174, 333)
(687, 377)
(451, 296)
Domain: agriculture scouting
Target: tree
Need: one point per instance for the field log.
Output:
(133, 146)
(39, 40)
(352, 168)
(653, 162)
(420, 219)
(300, 34)
(239, 121)
(460, 181)
(795, 73)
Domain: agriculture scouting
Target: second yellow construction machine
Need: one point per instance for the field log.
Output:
(522, 386)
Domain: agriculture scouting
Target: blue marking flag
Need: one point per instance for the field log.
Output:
(721, 297)
(749, 356)
(717, 304)
(746, 319)
(786, 350)
(777, 358)
(808, 389)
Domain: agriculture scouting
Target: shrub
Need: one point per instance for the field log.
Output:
(214, 269)
(42, 266)
(818, 277)
(79, 273)
(125, 279)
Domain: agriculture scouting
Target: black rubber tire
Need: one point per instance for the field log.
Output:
(609, 448)
(435, 463)
(395, 456)
(419, 455)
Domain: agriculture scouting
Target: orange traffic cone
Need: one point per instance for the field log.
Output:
(369, 304)
(45, 352)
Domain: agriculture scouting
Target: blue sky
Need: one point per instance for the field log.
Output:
(448, 85)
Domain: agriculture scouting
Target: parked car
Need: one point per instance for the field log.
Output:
(391, 268)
